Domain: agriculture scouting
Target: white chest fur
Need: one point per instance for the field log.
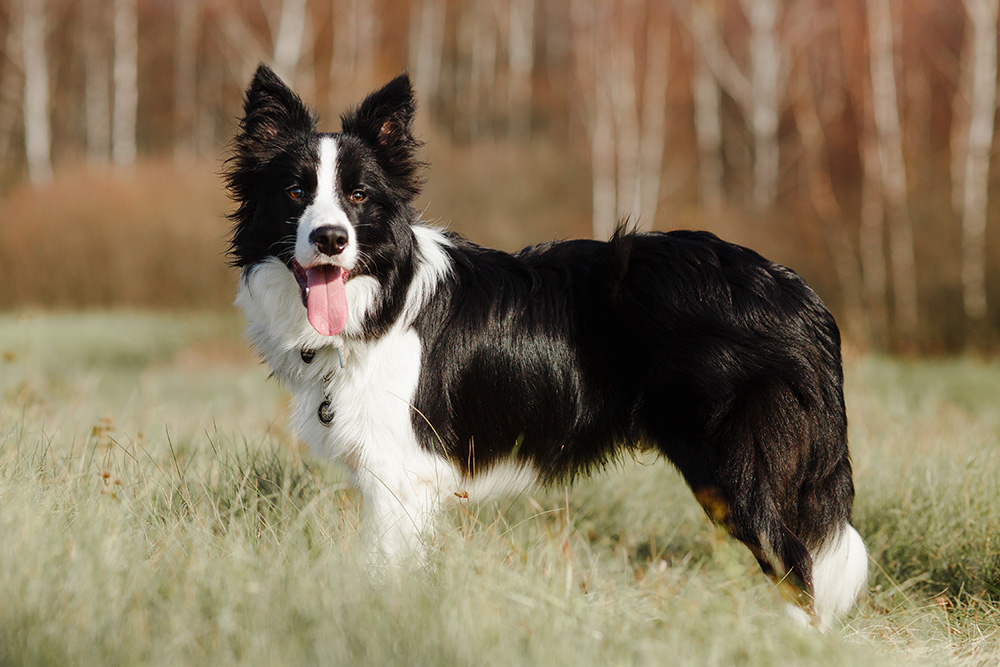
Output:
(371, 430)
(371, 401)
(368, 423)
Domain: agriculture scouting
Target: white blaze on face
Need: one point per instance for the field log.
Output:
(325, 210)
(325, 294)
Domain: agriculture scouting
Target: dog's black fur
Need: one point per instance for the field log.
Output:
(562, 355)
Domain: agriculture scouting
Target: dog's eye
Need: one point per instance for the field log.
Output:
(358, 196)
(295, 192)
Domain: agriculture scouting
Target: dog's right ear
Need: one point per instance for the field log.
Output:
(272, 113)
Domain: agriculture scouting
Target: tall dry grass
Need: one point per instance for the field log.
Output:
(156, 235)
(155, 510)
(151, 236)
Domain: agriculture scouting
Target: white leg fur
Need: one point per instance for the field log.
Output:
(403, 484)
(372, 431)
(840, 571)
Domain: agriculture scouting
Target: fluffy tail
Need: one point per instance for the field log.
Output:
(840, 571)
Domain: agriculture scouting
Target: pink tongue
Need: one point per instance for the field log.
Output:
(326, 302)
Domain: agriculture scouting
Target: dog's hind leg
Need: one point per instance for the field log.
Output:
(745, 462)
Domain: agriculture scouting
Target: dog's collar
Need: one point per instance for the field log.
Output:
(308, 355)
(325, 410)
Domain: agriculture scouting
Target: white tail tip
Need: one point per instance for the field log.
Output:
(840, 572)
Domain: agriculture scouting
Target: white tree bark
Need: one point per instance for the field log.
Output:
(97, 88)
(958, 140)
(126, 102)
(706, 96)
(343, 55)
(477, 36)
(366, 23)
(186, 80)
(893, 168)
(591, 44)
(654, 122)
(355, 40)
(871, 234)
(241, 39)
(758, 95)
(765, 88)
(982, 103)
(427, 32)
(874, 270)
(11, 89)
(807, 101)
(288, 42)
(37, 130)
(621, 80)
(626, 124)
(520, 65)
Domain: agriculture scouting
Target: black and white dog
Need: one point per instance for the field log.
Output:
(434, 367)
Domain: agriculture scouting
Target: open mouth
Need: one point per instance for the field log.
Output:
(324, 296)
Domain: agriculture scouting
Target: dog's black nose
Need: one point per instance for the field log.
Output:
(329, 240)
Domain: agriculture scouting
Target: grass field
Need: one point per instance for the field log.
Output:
(154, 510)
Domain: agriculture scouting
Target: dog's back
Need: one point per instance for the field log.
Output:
(432, 366)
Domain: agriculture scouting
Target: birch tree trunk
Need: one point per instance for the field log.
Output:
(872, 236)
(520, 65)
(37, 129)
(343, 52)
(765, 88)
(759, 95)
(123, 148)
(288, 42)
(242, 42)
(602, 152)
(478, 42)
(355, 41)
(893, 167)
(958, 140)
(654, 121)
(982, 104)
(186, 81)
(366, 23)
(97, 89)
(590, 46)
(11, 88)
(806, 107)
(706, 96)
(621, 82)
(427, 31)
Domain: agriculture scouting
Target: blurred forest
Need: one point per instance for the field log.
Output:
(849, 139)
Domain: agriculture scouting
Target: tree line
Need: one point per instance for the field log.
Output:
(872, 121)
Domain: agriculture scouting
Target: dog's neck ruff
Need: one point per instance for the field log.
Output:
(277, 323)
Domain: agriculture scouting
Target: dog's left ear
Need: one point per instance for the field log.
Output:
(384, 121)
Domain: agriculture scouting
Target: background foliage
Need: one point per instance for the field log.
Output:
(847, 139)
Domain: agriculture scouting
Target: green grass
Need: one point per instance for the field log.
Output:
(154, 510)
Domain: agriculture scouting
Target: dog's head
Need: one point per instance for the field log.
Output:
(329, 206)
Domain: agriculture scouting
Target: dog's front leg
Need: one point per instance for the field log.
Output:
(398, 518)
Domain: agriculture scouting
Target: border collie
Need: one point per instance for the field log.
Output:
(435, 368)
